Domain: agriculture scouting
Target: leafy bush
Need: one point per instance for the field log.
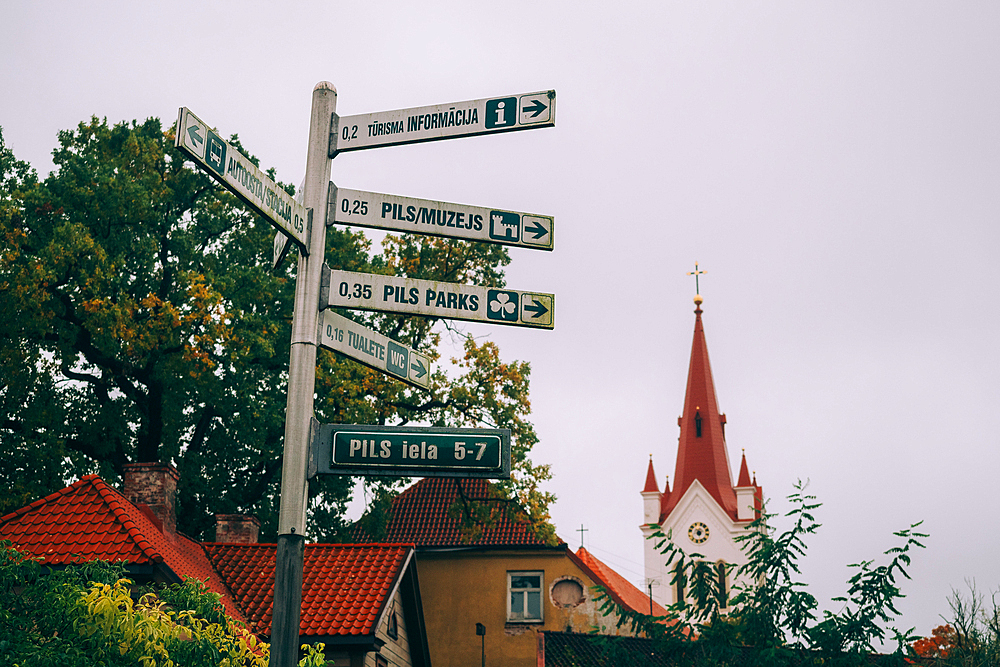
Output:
(91, 614)
(772, 612)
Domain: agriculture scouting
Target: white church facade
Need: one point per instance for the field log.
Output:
(703, 512)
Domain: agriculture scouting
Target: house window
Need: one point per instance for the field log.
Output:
(524, 597)
(381, 661)
(393, 628)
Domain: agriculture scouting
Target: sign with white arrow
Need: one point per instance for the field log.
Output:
(430, 298)
(241, 177)
(404, 451)
(374, 350)
(435, 218)
(525, 111)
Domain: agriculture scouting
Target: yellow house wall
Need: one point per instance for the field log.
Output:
(461, 588)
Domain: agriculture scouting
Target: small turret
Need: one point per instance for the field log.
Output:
(650, 496)
(745, 492)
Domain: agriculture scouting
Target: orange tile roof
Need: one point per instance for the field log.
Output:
(421, 515)
(619, 588)
(345, 586)
(89, 520)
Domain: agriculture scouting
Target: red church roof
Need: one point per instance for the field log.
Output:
(744, 479)
(89, 520)
(650, 479)
(618, 587)
(422, 515)
(701, 452)
(345, 586)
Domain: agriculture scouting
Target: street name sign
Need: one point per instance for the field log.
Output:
(411, 451)
(430, 298)
(524, 111)
(435, 218)
(374, 350)
(241, 177)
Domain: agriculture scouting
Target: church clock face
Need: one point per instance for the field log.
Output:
(698, 532)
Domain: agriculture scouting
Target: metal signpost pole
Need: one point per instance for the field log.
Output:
(301, 387)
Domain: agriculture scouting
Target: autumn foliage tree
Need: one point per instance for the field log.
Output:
(140, 320)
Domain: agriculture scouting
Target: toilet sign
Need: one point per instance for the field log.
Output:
(524, 111)
(374, 350)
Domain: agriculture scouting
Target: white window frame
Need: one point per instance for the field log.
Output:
(539, 591)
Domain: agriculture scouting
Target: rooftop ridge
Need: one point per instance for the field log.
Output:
(114, 501)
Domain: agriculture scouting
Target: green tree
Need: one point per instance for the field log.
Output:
(141, 321)
(774, 618)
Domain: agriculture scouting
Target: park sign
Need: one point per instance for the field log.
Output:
(242, 177)
(411, 451)
(430, 298)
(435, 218)
(524, 111)
(374, 350)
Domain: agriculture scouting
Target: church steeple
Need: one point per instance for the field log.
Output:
(701, 452)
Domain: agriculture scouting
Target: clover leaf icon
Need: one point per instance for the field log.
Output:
(501, 306)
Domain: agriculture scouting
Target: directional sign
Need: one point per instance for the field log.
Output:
(424, 216)
(412, 451)
(241, 177)
(525, 111)
(365, 291)
(371, 348)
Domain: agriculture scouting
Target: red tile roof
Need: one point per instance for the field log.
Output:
(89, 520)
(618, 587)
(345, 586)
(422, 515)
(701, 450)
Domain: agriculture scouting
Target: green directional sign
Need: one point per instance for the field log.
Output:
(430, 298)
(525, 111)
(436, 218)
(411, 451)
(241, 177)
(374, 350)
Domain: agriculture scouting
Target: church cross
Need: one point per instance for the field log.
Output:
(582, 530)
(696, 273)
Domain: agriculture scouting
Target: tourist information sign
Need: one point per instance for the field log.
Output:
(411, 451)
(524, 111)
(454, 301)
(374, 350)
(424, 216)
(241, 177)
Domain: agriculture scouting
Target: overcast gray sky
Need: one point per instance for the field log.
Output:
(832, 165)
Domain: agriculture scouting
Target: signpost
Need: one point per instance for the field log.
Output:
(524, 111)
(374, 350)
(374, 450)
(435, 218)
(241, 177)
(401, 451)
(429, 298)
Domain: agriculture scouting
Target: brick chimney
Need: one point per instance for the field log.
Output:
(152, 487)
(236, 528)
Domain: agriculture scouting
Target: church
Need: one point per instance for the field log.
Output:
(703, 512)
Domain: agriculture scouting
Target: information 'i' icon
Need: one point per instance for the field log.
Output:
(501, 112)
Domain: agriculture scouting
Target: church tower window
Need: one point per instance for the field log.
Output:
(723, 592)
(697, 424)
